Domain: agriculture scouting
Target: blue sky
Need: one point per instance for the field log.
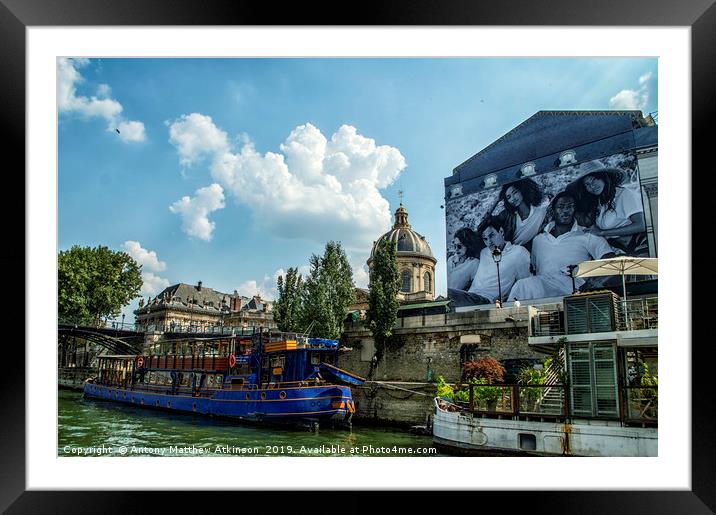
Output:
(229, 171)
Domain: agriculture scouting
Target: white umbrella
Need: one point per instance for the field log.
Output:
(622, 265)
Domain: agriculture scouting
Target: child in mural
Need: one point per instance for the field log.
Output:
(610, 208)
(467, 245)
(524, 211)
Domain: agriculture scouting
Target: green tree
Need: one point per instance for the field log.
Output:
(383, 296)
(94, 283)
(288, 307)
(327, 292)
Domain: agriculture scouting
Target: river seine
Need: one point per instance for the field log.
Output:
(97, 428)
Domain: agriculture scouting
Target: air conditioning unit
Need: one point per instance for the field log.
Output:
(594, 312)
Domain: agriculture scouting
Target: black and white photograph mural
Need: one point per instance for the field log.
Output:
(534, 230)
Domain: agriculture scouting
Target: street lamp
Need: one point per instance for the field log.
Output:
(571, 274)
(497, 257)
(122, 321)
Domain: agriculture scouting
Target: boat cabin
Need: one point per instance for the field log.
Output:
(264, 359)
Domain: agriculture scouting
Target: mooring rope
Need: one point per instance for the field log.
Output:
(388, 385)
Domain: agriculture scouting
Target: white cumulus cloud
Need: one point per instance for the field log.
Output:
(195, 136)
(152, 284)
(148, 260)
(361, 277)
(131, 131)
(633, 99)
(101, 105)
(195, 211)
(266, 288)
(316, 188)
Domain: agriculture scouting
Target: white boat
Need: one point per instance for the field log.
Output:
(604, 403)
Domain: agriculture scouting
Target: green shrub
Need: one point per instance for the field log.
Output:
(444, 390)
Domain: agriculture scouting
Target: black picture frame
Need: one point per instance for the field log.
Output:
(17, 15)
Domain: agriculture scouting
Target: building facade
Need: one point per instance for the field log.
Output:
(603, 164)
(196, 308)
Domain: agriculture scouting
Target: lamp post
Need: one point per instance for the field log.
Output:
(497, 257)
(122, 321)
(571, 274)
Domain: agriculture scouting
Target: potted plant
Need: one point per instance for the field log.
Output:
(485, 371)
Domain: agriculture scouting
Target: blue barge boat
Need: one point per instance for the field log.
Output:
(266, 377)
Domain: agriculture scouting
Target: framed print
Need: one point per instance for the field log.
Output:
(176, 134)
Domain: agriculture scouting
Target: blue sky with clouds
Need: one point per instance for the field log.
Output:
(229, 171)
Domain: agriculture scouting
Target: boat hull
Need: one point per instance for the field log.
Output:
(299, 405)
(460, 432)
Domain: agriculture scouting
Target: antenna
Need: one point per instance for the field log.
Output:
(400, 194)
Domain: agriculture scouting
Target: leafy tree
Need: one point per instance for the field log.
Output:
(288, 307)
(383, 296)
(94, 283)
(487, 368)
(327, 292)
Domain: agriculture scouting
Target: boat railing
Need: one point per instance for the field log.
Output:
(639, 404)
(190, 362)
(295, 384)
(516, 400)
(638, 314)
(547, 323)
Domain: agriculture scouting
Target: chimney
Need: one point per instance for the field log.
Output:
(198, 286)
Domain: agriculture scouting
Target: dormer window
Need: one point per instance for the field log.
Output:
(567, 158)
(491, 180)
(527, 169)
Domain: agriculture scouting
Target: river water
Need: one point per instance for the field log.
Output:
(100, 428)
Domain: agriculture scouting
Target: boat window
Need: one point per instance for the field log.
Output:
(315, 358)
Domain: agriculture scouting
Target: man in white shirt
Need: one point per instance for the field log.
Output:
(514, 265)
(562, 244)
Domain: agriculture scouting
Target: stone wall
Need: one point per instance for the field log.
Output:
(429, 346)
(392, 403)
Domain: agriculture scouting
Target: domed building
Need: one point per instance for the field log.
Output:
(415, 259)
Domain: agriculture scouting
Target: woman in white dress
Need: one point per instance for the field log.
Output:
(525, 211)
(611, 209)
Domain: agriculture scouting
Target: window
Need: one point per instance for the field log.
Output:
(406, 282)
(426, 282)
(593, 380)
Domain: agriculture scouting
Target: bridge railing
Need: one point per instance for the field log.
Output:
(120, 326)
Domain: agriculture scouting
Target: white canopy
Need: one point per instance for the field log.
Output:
(622, 265)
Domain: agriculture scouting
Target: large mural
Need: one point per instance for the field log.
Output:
(540, 227)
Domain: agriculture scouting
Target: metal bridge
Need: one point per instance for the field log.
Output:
(116, 340)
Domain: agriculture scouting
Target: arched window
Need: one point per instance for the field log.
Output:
(426, 281)
(406, 282)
